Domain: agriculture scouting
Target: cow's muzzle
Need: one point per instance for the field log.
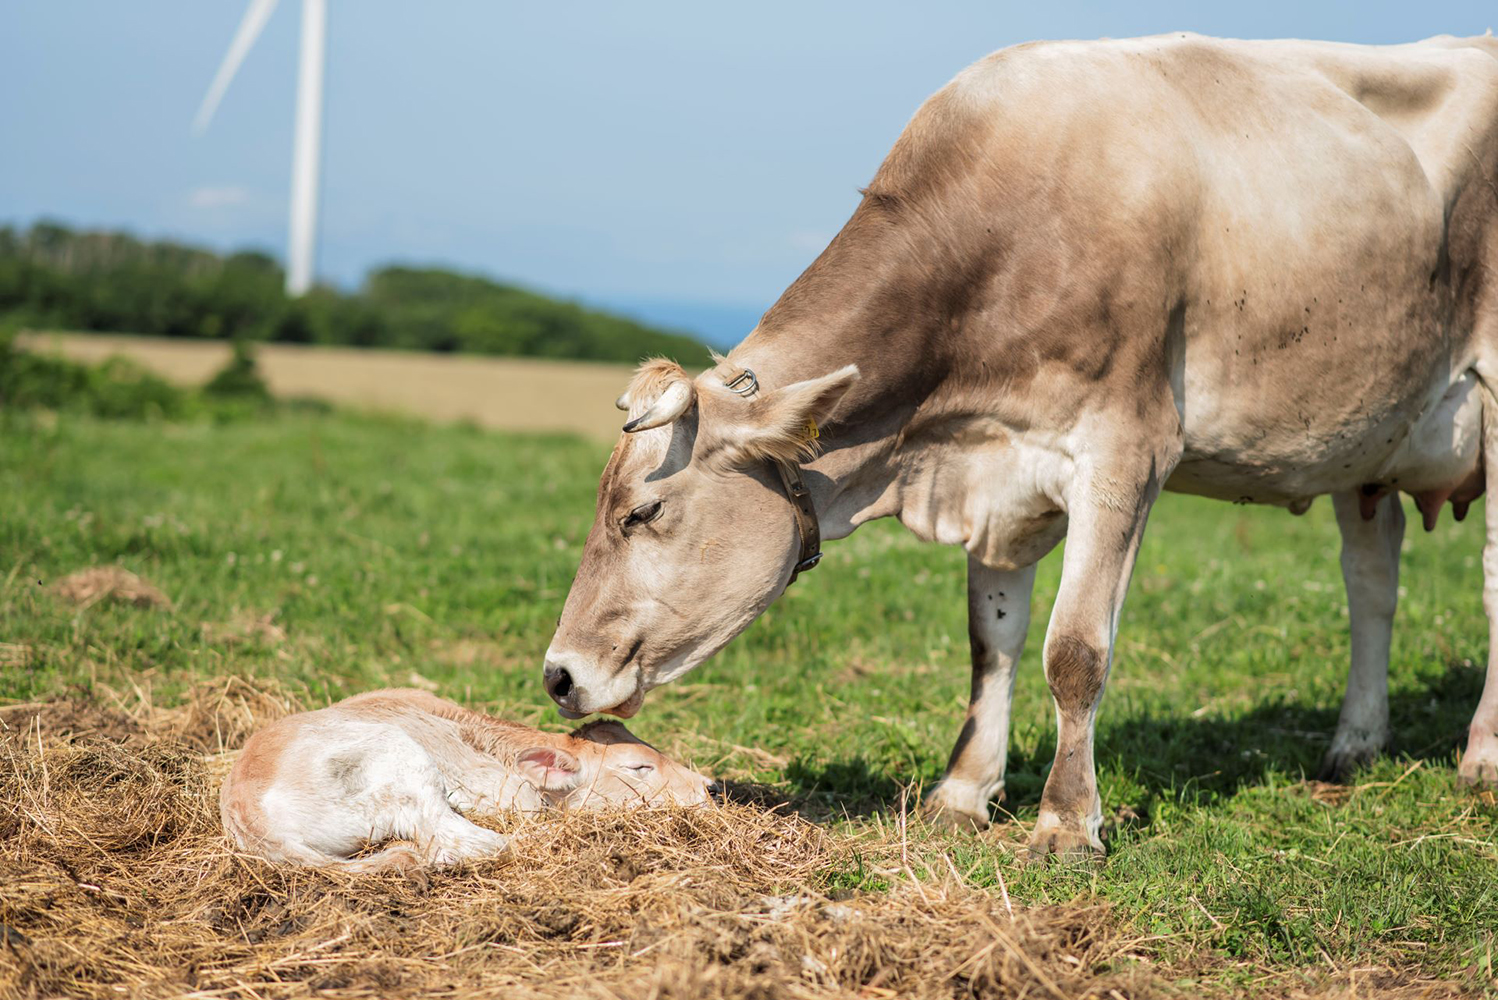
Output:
(573, 683)
(559, 684)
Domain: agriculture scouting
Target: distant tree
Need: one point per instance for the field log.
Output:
(240, 378)
(52, 276)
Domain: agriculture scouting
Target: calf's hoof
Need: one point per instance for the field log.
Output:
(1065, 842)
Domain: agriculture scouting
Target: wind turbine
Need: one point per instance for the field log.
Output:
(306, 149)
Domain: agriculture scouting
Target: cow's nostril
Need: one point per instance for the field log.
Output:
(561, 684)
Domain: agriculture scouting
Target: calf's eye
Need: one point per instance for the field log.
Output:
(643, 514)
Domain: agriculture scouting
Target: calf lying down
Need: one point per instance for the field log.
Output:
(319, 787)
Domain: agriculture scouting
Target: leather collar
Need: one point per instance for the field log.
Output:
(746, 384)
(807, 525)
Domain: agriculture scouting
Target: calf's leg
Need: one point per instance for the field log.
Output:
(998, 609)
(1370, 572)
(1106, 523)
(453, 840)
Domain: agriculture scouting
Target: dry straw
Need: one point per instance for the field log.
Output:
(115, 880)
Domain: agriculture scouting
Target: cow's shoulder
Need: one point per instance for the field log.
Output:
(1482, 43)
(1439, 96)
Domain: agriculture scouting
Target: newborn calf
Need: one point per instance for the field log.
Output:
(318, 787)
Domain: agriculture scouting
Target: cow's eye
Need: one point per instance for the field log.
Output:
(642, 514)
(640, 768)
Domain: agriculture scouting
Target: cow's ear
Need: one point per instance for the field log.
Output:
(548, 769)
(785, 423)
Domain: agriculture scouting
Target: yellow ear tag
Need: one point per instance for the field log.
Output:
(809, 432)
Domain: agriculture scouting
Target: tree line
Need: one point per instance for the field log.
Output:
(54, 277)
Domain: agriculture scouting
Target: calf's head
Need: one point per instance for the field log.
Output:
(604, 764)
(693, 537)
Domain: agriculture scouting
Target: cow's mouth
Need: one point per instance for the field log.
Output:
(629, 706)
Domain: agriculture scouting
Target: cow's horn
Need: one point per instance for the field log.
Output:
(675, 401)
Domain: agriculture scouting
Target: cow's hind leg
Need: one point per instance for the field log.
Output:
(1370, 572)
(1106, 522)
(998, 610)
(1480, 761)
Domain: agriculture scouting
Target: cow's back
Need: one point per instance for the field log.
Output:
(1309, 219)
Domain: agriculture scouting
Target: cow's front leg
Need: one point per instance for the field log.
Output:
(1370, 571)
(1480, 761)
(998, 615)
(1106, 523)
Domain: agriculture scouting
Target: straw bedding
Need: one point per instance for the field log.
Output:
(115, 880)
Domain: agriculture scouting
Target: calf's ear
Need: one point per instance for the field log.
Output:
(784, 423)
(548, 769)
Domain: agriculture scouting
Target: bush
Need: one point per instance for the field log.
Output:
(116, 388)
(240, 378)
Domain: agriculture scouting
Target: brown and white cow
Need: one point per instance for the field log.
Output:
(318, 787)
(1089, 271)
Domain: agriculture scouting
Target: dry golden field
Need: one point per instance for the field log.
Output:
(523, 394)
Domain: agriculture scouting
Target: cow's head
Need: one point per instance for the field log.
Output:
(693, 537)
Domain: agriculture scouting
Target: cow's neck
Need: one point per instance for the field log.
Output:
(896, 315)
(929, 434)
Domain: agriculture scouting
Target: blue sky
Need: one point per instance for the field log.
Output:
(681, 161)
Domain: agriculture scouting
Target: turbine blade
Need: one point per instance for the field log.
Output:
(255, 16)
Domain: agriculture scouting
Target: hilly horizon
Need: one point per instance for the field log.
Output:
(59, 277)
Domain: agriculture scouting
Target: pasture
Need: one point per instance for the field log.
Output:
(320, 555)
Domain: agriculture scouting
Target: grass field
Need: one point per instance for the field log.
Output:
(385, 551)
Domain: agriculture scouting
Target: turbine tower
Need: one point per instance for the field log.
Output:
(306, 150)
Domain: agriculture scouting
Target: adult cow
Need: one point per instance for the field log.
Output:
(1087, 271)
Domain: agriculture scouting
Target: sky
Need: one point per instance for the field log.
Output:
(681, 162)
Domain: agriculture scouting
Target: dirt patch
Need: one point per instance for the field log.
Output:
(88, 587)
(245, 627)
(118, 882)
(470, 652)
(17, 655)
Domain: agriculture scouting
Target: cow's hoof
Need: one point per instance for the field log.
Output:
(1478, 772)
(957, 805)
(1064, 843)
(955, 819)
(1340, 763)
(1479, 767)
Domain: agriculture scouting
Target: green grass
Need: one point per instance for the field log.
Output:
(386, 548)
